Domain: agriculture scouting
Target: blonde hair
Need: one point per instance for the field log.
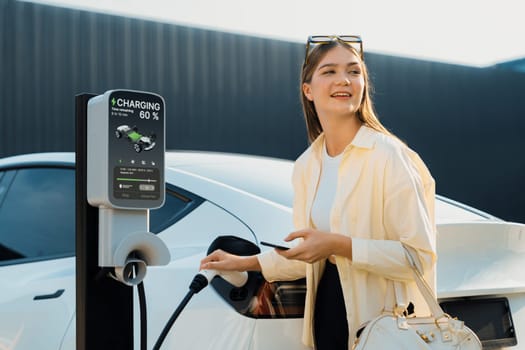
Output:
(365, 112)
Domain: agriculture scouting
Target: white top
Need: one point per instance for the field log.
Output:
(324, 197)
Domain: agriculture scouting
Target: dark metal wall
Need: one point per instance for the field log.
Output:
(467, 123)
(228, 92)
(223, 91)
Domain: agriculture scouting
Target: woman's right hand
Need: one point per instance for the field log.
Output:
(221, 260)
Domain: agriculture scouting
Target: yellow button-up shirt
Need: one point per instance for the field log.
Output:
(385, 198)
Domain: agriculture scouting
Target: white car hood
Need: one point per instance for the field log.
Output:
(480, 258)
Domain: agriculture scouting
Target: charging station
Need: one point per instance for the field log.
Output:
(120, 147)
(125, 178)
(120, 176)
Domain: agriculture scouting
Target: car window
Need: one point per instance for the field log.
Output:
(37, 213)
(178, 203)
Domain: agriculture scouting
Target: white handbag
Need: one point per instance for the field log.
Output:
(394, 331)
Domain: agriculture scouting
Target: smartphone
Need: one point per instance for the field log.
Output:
(276, 246)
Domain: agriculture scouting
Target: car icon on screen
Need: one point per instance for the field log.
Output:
(140, 142)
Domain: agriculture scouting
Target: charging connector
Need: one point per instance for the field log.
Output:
(235, 278)
(199, 282)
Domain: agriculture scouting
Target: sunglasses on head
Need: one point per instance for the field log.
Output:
(352, 40)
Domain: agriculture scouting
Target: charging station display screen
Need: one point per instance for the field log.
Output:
(136, 141)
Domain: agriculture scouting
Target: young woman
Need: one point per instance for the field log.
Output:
(361, 195)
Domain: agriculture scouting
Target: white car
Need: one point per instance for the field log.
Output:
(480, 266)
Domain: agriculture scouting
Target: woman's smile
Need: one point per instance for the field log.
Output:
(341, 95)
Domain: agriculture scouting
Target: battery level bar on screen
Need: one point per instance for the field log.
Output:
(131, 179)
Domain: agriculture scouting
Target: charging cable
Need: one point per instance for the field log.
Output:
(143, 318)
(200, 281)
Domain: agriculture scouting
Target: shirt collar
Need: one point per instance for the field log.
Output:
(365, 138)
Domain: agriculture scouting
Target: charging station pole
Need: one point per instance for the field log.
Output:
(104, 307)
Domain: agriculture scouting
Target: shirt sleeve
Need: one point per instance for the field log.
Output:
(299, 198)
(277, 268)
(408, 214)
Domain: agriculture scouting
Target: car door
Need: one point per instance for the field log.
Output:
(37, 242)
(207, 322)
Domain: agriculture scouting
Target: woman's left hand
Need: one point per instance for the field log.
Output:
(317, 245)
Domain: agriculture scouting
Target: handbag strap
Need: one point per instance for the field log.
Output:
(423, 286)
(395, 298)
